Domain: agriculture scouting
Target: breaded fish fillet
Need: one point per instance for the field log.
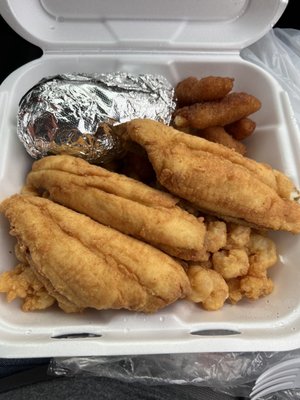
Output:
(215, 178)
(84, 264)
(120, 202)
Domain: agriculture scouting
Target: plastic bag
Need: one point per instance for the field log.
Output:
(278, 52)
(230, 373)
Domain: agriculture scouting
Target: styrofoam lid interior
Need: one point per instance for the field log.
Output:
(197, 25)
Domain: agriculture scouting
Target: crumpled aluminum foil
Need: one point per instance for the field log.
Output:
(71, 113)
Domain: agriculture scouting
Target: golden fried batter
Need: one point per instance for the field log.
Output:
(216, 236)
(241, 129)
(217, 134)
(22, 282)
(215, 178)
(121, 203)
(253, 288)
(229, 109)
(88, 264)
(192, 90)
(208, 288)
(231, 263)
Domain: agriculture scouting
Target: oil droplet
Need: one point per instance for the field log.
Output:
(161, 319)
(28, 332)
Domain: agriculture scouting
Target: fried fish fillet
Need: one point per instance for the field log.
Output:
(120, 202)
(216, 178)
(82, 263)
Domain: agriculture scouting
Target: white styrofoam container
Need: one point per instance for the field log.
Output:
(176, 39)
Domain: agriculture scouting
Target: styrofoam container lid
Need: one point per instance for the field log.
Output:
(137, 25)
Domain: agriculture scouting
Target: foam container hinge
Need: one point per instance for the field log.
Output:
(106, 38)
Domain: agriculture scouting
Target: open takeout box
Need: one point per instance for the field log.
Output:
(176, 39)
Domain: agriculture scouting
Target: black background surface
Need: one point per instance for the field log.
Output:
(16, 51)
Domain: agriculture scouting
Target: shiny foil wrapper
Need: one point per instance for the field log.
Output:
(72, 113)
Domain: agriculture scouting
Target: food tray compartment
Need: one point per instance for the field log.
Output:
(183, 326)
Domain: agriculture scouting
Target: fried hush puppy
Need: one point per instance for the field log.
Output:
(192, 90)
(241, 129)
(120, 202)
(205, 106)
(218, 134)
(216, 179)
(222, 112)
(83, 264)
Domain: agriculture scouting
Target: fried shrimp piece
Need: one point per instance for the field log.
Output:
(218, 134)
(214, 178)
(231, 263)
(253, 287)
(21, 282)
(234, 106)
(201, 283)
(238, 236)
(241, 129)
(192, 90)
(121, 203)
(85, 264)
(208, 288)
(216, 236)
(218, 296)
(262, 254)
(249, 287)
(234, 287)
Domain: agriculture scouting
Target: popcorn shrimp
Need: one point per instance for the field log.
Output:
(231, 263)
(219, 294)
(238, 236)
(208, 288)
(235, 293)
(216, 236)
(201, 283)
(262, 255)
(254, 287)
